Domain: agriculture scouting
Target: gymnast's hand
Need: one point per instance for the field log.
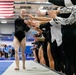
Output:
(30, 16)
(27, 22)
(37, 29)
(35, 23)
(53, 13)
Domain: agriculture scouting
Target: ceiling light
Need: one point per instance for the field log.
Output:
(3, 21)
(2, 17)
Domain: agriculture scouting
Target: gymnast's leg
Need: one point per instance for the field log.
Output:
(16, 47)
(23, 46)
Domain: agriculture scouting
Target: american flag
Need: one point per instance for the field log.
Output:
(6, 8)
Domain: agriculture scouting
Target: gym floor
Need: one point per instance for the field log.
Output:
(32, 68)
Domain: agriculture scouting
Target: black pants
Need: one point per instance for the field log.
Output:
(6, 55)
(69, 46)
(70, 53)
(44, 45)
(36, 51)
(58, 56)
(13, 53)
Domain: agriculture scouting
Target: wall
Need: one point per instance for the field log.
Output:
(7, 28)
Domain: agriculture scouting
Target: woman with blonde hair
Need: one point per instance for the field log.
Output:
(20, 37)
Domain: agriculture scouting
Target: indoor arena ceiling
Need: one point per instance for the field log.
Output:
(9, 9)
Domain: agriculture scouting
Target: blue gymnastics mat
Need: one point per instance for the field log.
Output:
(4, 66)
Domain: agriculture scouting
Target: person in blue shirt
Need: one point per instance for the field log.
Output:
(6, 51)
